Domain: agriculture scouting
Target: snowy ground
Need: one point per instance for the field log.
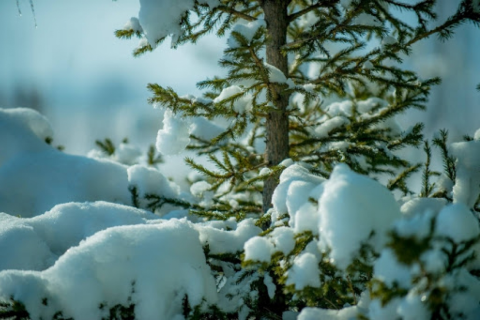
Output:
(71, 241)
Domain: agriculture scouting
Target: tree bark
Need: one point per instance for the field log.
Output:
(275, 13)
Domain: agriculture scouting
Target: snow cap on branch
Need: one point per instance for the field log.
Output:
(161, 18)
(351, 208)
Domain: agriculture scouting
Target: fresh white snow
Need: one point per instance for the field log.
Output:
(70, 239)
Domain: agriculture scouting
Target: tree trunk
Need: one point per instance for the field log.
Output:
(275, 12)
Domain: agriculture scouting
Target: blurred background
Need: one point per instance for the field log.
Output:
(72, 68)
(66, 62)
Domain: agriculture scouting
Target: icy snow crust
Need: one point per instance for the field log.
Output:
(71, 241)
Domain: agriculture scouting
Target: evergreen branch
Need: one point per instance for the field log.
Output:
(234, 12)
(127, 34)
(399, 182)
(448, 160)
(106, 146)
(427, 188)
(300, 13)
(141, 50)
(152, 157)
(157, 202)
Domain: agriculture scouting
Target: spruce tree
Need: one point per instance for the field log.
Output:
(287, 62)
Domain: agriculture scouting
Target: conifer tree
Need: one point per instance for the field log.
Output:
(287, 62)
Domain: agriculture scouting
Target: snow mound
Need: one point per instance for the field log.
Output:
(36, 243)
(352, 208)
(152, 266)
(466, 188)
(34, 176)
(223, 241)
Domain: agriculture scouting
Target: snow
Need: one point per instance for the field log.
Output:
(247, 30)
(304, 272)
(340, 108)
(388, 270)
(268, 281)
(346, 3)
(127, 154)
(275, 74)
(174, 137)
(241, 104)
(388, 41)
(422, 205)
(59, 229)
(30, 119)
(34, 176)
(348, 313)
(282, 193)
(69, 235)
(286, 163)
(150, 181)
(324, 129)
(133, 24)
(466, 188)
(108, 265)
(378, 311)
(476, 135)
(466, 301)
(22, 249)
(308, 20)
(434, 261)
(367, 105)
(344, 225)
(205, 129)
(417, 225)
(258, 249)
(307, 219)
(159, 19)
(458, 223)
(413, 307)
(265, 171)
(283, 240)
(222, 241)
(368, 65)
(201, 190)
(367, 20)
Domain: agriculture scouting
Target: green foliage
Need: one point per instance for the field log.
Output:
(106, 146)
(448, 160)
(349, 65)
(335, 58)
(432, 285)
(153, 158)
(13, 310)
